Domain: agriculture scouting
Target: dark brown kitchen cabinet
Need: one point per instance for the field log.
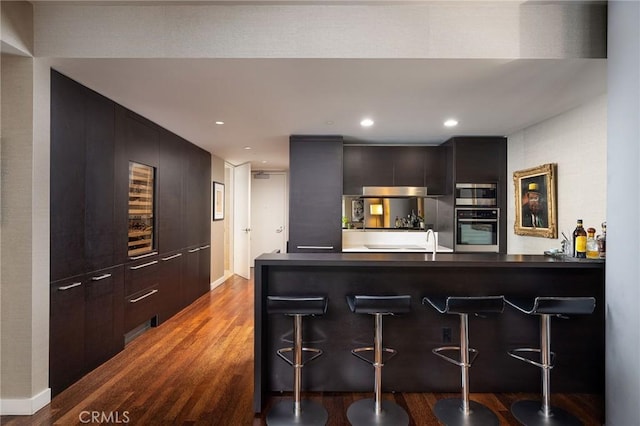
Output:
(82, 188)
(197, 200)
(142, 288)
(369, 165)
(315, 207)
(171, 172)
(66, 332)
(172, 290)
(86, 324)
(480, 159)
(196, 278)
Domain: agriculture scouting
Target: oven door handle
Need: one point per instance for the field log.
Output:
(479, 220)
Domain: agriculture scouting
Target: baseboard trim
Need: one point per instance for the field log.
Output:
(220, 280)
(26, 406)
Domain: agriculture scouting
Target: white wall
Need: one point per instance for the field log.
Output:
(577, 142)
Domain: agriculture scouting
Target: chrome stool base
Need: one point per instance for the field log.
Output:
(362, 413)
(449, 412)
(311, 414)
(529, 413)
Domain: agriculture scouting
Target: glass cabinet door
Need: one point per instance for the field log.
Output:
(141, 211)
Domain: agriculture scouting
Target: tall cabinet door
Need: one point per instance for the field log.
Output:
(99, 242)
(66, 332)
(171, 224)
(68, 169)
(315, 207)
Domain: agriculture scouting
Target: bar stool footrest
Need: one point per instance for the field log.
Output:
(357, 351)
(472, 351)
(514, 353)
(281, 354)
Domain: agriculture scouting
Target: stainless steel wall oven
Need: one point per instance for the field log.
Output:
(477, 230)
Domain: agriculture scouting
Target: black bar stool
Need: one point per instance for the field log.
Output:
(461, 411)
(376, 411)
(297, 412)
(530, 412)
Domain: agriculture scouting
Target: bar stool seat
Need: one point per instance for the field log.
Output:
(462, 411)
(376, 411)
(298, 411)
(530, 412)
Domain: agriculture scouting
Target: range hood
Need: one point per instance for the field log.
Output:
(393, 191)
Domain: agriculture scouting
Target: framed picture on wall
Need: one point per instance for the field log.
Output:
(535, 195)
(218, 201)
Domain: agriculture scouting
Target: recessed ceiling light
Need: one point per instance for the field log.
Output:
(247, 147)
(367, 122)
(219, 123)
(451, 122)
(264, 161)
(328, 122)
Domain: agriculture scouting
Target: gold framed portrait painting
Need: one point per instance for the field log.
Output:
(535, 195)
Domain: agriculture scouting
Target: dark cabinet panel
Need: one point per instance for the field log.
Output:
(100, 245)
(86, 322)
(315, 206)
(171, 171)
(480, 159)
(352, 179)
(435, 170)
(409, 166)
(68, 169)
(66, 333)
(104, 315)
(172, 291)
(204, 269)
(377, 165)
(142, 288)
(197, 200)
(191, 276)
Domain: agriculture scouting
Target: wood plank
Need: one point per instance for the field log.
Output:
(197, 368)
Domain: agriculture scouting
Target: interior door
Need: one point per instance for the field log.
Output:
(242, 220)
(268, 207)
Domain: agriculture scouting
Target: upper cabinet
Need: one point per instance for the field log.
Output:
(82, 179)
(315, 207)
(367, 165)
(479, 159)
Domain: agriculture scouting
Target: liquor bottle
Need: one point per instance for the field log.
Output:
(592, 244)
(579, 241)
(602, 242)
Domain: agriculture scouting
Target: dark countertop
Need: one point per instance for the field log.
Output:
(491, 260)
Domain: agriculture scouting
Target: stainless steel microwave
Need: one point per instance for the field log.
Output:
(477, 194)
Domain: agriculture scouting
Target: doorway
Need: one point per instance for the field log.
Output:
(269, 210)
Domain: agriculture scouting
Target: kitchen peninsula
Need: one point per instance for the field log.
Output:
(578, 341)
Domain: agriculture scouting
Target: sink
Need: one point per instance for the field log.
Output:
(393, 247)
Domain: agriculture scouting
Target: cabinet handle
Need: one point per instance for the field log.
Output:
(70, 286)
(172, 257)
(205, 247)
(142, 256)
(144, 265)
(101, 277)
(144, 296)
(316, 247)
(194, 250)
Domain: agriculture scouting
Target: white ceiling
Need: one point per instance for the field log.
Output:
(263, 101)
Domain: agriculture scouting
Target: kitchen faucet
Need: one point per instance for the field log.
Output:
(434, 243)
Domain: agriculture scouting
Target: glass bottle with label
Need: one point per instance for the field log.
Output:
(579, 241)
(592, 244)
(602, 242)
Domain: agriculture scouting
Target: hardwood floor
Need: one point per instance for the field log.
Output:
(197, 368)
